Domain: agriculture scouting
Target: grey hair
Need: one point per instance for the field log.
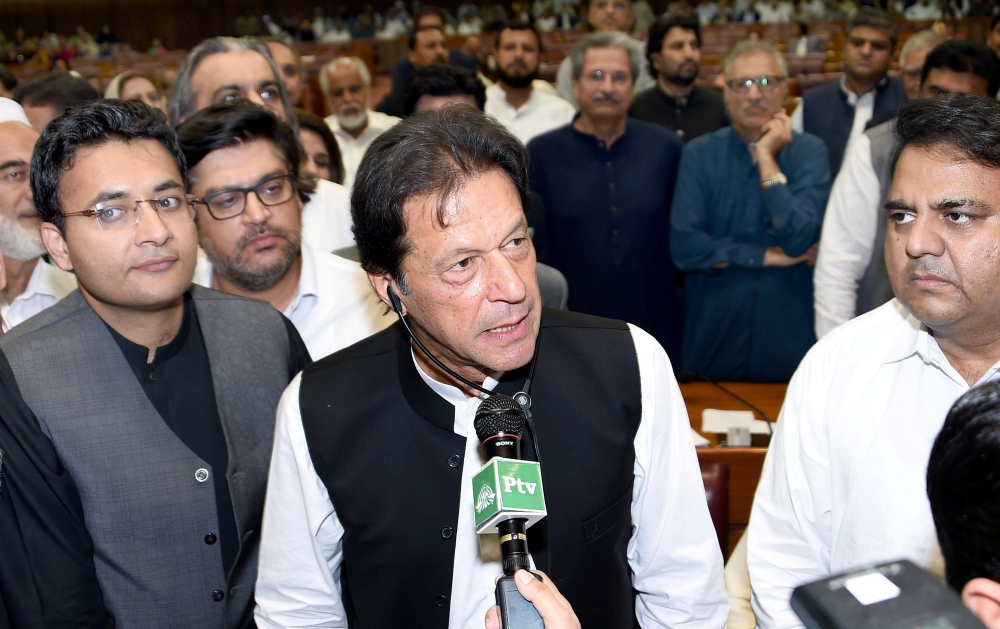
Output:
(921, 40)
(183, 100)
(607, 39)
(324, 80)
(753, 46)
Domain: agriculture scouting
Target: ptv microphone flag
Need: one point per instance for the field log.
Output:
(505, 489)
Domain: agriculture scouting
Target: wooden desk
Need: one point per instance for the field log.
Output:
(744, 463)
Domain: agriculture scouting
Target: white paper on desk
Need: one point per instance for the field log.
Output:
(699, 441)
(714, 420)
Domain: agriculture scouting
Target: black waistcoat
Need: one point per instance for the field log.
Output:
(384, 445)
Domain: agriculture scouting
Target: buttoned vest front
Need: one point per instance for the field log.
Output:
(383, 443)
(147, 500)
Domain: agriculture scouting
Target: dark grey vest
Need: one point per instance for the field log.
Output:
(147, 510)
(874, 288)
(384, 445)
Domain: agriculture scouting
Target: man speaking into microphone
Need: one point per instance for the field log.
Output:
(369, 519)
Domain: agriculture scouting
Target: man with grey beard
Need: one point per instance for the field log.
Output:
(346, 83)
(249, 193)
(32, 284)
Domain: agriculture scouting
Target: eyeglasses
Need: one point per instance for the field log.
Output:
(231, 203)
(117, 215)
(617, 77)
(764, 83)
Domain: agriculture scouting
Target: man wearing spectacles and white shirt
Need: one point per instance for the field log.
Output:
(32, 284)
(140, 408)
(744, 226)
(244, 173)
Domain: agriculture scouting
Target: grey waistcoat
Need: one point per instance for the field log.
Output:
(146, 512)
(874, 288)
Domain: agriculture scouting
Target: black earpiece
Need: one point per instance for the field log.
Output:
(396, 305)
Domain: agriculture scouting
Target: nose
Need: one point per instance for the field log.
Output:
(504, 280)
(255, 212)
(923, 237)
(255, 98)
(151, 228)
(754, 92)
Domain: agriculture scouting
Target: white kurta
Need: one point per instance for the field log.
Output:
(673, 552)
(47, 285)
(844, 482)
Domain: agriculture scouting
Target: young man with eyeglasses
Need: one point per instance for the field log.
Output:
(606, 182)
(249, 192)
(137, 414)
(744, 227)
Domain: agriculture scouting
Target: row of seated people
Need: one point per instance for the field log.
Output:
(604, 192)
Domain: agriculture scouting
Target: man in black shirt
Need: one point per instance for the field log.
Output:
(136, 415)
(675, 102)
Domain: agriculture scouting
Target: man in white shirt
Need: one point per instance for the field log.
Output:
(923, 10)
(512, 100)
(850, 276)
(844, 482)
(838, 112)
(244, 171)
(369, 515)
(774, 12)
(222, 69)
(32, 284)
(346, 84)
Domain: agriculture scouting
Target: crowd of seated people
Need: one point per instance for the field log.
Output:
(220, 238)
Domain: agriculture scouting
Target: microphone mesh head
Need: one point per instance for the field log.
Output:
(498, 413)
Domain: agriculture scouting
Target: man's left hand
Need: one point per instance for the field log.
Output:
(777, 134)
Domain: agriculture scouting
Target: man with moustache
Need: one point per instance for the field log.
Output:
(606, 182)
(513, 100)
(851, 276)
(370, 485)
(606, 16)
(244, 172)
(145, 406)
(744, 227)
(428, 46)
(223, 69)
(346, 84)
(32, 284)
(676, 102)
(845, 479)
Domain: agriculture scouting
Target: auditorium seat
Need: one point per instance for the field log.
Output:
(715, 475)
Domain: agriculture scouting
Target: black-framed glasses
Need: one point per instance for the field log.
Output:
(764, 83)
(124, 213)
(232, 202)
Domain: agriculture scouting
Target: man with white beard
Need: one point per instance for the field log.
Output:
(346, 83)
(32, 285)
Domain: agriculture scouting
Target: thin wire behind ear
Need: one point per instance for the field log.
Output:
(394, 301)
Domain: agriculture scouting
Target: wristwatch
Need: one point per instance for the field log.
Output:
(774, 180)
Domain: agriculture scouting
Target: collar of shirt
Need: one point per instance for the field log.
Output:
(137, 354)
(376, 125)
(852, 97)
(597, 142)
(916, 341)
(455, 396)
(47, 280)
(307, 293)
(495, 91)
(678, 102)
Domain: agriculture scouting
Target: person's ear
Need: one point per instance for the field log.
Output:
(55, 244)
(383, 284)
(982, 597)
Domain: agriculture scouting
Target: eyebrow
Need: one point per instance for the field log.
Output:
(13, 163)
(115, 195)
(521, 224)
(227, 88)
(941, 205)
(262, 179)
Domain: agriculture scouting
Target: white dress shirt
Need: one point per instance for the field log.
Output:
(334, 306)
(779, 14)
(326, 218)
(920, 13)
(47, 285)
(864, 108)
(673, 553)
(542, 113)
(353, 149)
(844, 482)
(847, 241)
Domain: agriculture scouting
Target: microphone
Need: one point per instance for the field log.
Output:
(499, 422)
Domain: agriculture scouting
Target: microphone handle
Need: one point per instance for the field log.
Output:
(514, 545)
